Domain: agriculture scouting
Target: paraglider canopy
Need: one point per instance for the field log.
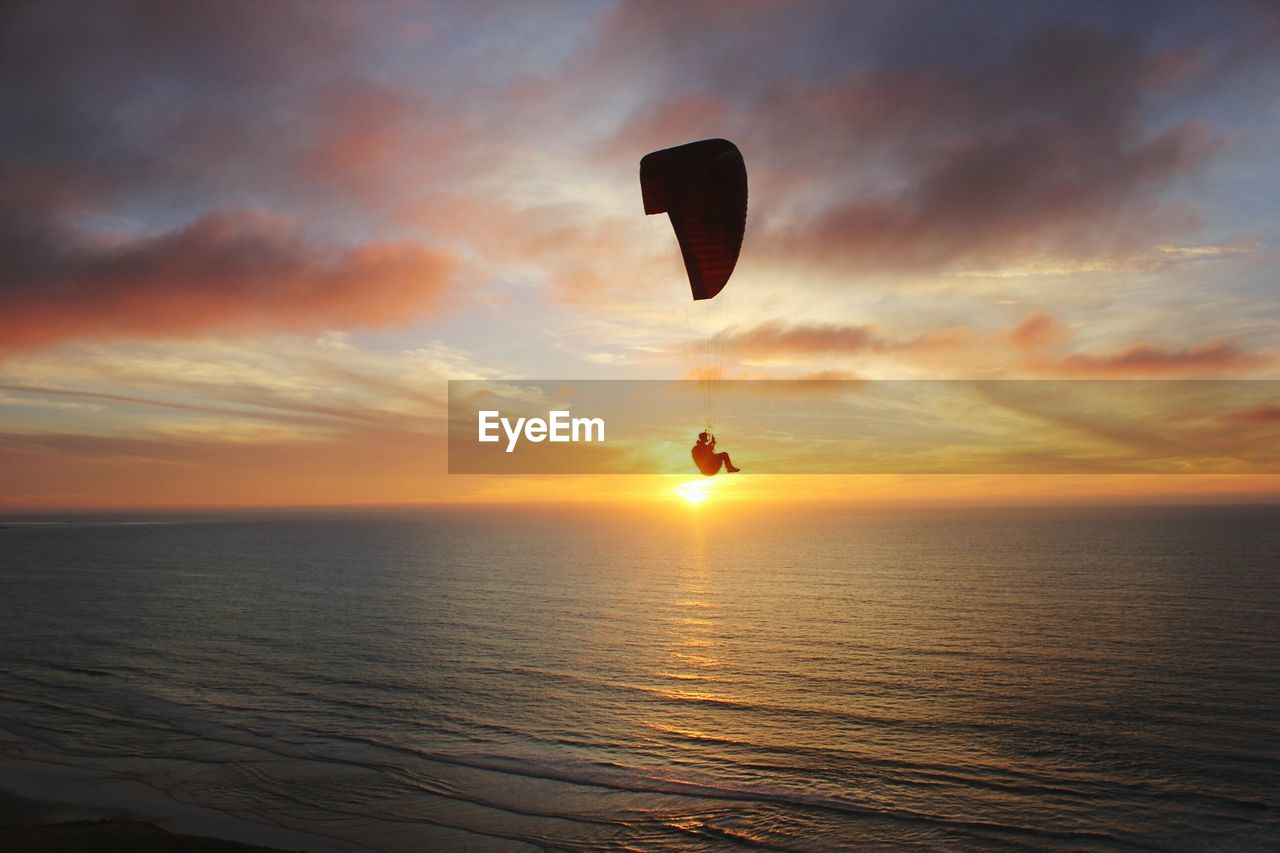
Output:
(702, 187)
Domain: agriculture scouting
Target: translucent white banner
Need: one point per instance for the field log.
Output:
(865, 427)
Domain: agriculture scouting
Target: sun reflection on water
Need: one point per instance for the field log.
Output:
(695, 492)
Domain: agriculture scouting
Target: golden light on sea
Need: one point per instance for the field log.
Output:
(694, 492)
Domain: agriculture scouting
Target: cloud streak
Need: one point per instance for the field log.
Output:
(1031, 347)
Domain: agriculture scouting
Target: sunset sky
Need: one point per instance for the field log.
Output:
(244, 245)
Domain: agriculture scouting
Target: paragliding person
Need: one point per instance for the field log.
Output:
(702, 187)
(706, 458)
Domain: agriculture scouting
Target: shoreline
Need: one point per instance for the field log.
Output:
(48, 805)
(50, 825)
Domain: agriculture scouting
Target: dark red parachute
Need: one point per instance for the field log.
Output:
(702, 186)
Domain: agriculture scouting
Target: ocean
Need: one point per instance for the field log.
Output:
(594, 678)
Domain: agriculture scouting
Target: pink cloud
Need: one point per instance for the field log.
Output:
(1262, 415)
(774, 338)
(1030, 347)
(1214, 358)
(224, 272)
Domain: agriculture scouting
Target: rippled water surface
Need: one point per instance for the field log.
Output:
(1062, 679)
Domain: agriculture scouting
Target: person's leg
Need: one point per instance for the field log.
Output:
(728, 465)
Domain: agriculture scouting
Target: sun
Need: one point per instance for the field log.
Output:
(694, 492)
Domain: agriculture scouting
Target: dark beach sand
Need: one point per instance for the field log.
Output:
(33, 825)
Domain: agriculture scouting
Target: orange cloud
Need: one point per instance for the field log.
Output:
(588, 259)
(1039, 333)
(1037, 330)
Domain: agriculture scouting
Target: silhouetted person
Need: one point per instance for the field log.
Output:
(706, 458)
